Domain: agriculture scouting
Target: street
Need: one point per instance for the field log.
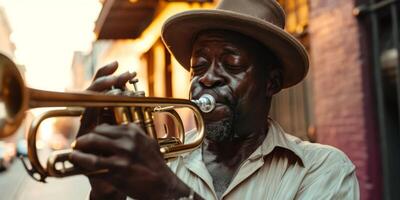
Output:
(16, 184)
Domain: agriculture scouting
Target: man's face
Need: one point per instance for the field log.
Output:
(225, 65)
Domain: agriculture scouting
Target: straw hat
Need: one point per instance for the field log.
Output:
(262, 20)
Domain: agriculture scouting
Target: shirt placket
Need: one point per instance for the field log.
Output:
(248, 168)
(197, 167)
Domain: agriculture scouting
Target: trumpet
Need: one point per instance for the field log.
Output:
(131, 107)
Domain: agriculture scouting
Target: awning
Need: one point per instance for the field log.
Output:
(124, 19)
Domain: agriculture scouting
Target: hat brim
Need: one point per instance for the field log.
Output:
(180, 30)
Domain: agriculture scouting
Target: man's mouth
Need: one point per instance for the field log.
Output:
(220, 112)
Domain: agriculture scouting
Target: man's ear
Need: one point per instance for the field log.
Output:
(274, 83)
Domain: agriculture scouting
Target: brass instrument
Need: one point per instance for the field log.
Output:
(16, 98)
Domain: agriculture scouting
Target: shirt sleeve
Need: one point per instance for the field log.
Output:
(338, 181)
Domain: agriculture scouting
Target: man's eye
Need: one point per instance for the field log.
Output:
(233, 68)
(198, 65)
(198, 68)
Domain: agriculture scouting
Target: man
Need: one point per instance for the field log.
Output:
(239, 54)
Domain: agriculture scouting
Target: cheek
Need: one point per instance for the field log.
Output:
(195, 87)
(248, 91)
(240, 84)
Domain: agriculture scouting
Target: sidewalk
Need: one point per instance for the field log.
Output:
(15, 184)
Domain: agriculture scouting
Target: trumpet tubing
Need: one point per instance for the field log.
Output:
(16, 98)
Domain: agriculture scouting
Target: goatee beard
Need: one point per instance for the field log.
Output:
(221, 131)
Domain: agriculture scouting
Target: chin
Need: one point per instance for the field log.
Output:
(220, 131)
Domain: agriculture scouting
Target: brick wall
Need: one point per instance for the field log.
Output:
(342, 89)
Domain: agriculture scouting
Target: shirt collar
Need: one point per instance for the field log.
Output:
(277, 137)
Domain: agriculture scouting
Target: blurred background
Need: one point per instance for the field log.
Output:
(350, 98)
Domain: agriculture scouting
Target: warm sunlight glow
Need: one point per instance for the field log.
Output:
(152, 33)
(46, 33)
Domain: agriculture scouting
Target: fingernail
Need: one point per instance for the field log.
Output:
(73, 144)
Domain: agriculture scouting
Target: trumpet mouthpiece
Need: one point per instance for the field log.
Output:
(206, 103)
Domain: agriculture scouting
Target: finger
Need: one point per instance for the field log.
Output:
(115, 163)
(97, 144)
(84, 161)
(103, 83)
(90, 162)
(123, 78)
(93, 116)
(106, 70)
(106, 82)
(88, 120)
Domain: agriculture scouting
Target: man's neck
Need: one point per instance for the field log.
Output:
(233, 153)
(223, 159)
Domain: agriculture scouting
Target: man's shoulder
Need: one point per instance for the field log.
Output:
(327, 172)
(315, 155)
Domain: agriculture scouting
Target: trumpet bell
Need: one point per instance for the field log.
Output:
(12, 99)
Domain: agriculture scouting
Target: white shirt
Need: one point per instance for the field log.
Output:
(283, 167)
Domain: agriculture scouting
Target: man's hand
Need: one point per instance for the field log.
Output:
(103, 81)
(136, 166)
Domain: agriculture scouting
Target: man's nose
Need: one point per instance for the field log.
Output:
(212, 78)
